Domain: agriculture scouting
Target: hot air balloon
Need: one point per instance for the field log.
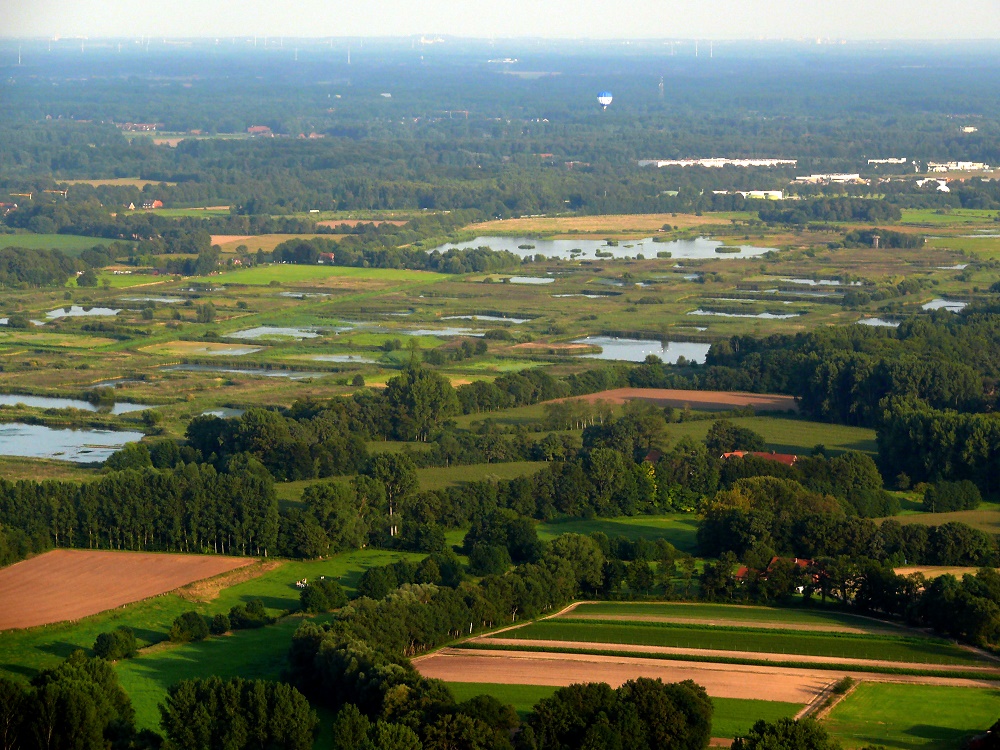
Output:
(604, 98)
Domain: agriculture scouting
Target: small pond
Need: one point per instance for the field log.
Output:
(496, 318)
(530, 280)
(261, 332)
(80, 446)
(636, 350)
(75, 311)
(345, 359)
(759, 316)
(164, 300)
(879, 323)
(945, 304)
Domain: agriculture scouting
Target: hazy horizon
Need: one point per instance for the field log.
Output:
(744, 20)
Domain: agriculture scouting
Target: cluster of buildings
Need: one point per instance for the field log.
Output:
(832, 179)
(140, 127)
(763, 195)
(957, 166)
(718, 163)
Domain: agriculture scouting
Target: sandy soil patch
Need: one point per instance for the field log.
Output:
(222, 239)
(711, 399)
(69, 584)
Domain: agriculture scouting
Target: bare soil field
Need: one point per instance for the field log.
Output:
(69, 584)
(534, 668)
(334, 223)
(933, 571)
(792, 685)
(705, 399)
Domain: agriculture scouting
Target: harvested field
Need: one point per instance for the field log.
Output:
(70, 584)
(222, 239)
(933, 571)
(697, 399)
(532, 668)
(610, 224)
(334, 223)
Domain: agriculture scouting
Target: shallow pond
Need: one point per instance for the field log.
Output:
(945, 304)
(879, 323)
(52, 402)
(261, 332)
(345, 359)
(759, 316)
(256, 371)
(75, 311)
(497, 318)
(530, 280)
(820, 282)
(80, 446)
(223, 413)
(164, 300)
(696, 248)
(636, 350)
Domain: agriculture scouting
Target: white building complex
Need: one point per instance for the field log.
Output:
(717, 163)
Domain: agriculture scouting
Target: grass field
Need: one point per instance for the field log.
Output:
(986, 518)
(251, 654)
(839, 645)
(732, 716)
(913, 716)
(292, 274)
(126, 280)
(439, 478)
(738, 614)
(677, 528)
(790, 435)
(71, 244)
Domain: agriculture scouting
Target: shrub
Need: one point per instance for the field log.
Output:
(322, 595)
(942, 497)
(250, 615)
(220, 624)
(188, 627)
(117, 644)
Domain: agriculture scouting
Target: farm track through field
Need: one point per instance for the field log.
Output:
(726, 654)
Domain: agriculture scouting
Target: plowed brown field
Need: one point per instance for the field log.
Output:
(704, 399)
(69, 584)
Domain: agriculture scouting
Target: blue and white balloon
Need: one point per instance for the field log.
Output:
(604, 98)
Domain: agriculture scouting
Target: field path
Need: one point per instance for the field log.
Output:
(720, 653)
(67, 584)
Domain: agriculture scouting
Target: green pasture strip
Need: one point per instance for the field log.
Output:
(679, 529)
(486, 645)
(930, 717)
(252, 654)
(837, 645)
(284, 273)
(732, 716)
(441, 477)
(71, 244)
(735, 612)
(789, 434)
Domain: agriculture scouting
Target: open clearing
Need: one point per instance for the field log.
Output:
(70, 584)
(695, 399)
(534, 668)
(914, 716)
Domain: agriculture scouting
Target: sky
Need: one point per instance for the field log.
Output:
(598, 19)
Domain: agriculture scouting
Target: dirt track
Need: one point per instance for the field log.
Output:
(70, 584)
(792, 685)
(704, 399)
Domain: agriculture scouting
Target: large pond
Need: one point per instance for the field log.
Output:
(51, 402)
(75, 311)
(257, 371)
(263, 332)
(759, 316)
(528, 248)
(636, 350)
(945, 304)
(80, 446)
